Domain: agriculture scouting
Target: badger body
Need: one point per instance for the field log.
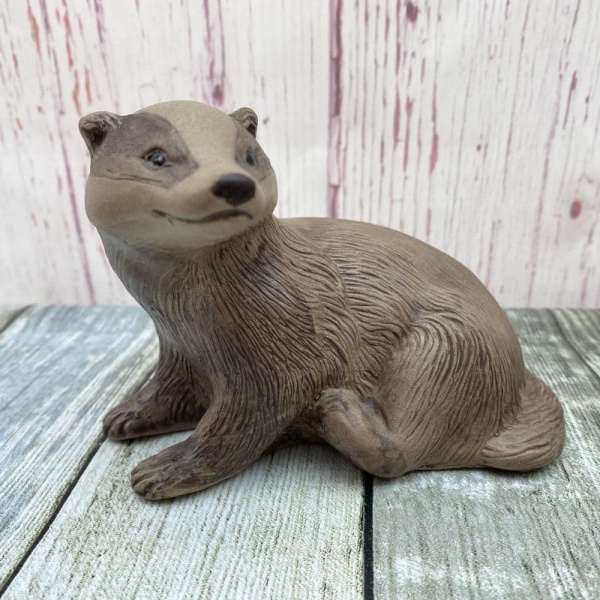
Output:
(274, 331)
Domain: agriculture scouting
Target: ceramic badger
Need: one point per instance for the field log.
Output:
(274, 331)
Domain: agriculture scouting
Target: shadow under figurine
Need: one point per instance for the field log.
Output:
(274, 331)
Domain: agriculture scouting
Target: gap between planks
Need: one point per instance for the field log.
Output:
(314, 479)
(54, 369)
(94, 449)
(289, 523)
(101, 439)
(483, 533)
(367, 507)
(368, 585)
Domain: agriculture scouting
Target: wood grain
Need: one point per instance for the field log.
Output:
(288, 527)
(62, 60)
(470, 125)
(483, 534)
(60, 369)
(582, 331)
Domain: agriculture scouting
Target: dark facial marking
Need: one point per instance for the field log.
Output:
(95, 127)
(249, 154)
(144, 148)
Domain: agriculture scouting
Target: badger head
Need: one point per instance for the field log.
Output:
(176, 175)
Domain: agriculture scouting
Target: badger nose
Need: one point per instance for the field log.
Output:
(235, 188)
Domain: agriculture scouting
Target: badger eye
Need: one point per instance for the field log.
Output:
(156, 157)
(250, 157)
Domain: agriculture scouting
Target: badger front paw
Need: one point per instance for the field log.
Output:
(124, 422)
(152, 410)
(172, 472)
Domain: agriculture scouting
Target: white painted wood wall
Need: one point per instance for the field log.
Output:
(473, 125)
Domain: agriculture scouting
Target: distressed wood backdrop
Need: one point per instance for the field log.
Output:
(471, 125)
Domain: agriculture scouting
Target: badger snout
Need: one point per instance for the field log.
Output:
(234, 188)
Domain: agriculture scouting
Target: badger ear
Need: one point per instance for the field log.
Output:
(95, 127)
(247, 118)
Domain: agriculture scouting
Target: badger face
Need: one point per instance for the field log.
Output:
(176, 175)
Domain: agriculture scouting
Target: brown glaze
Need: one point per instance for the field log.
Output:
(275, 331)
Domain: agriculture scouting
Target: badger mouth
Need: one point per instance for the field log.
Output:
(221, 215)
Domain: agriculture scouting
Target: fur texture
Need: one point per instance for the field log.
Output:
(276, 331)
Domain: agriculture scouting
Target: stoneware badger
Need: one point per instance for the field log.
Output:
(274, 331)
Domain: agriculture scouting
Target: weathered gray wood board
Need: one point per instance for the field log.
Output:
(288, 527)
(60, 368)
(581, 329)
(483, 534)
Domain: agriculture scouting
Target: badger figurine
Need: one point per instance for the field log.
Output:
(274, 331)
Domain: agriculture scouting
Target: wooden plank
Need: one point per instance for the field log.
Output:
(289, 90)
(484, 534)
(581, 328)
(474, 126)
(61, 60)
(288, 527)
(60, 369)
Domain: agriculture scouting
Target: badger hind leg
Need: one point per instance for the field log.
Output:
(440, 398)
(537, 435)
(356, 427)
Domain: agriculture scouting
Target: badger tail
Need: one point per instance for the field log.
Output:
(537, 435)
